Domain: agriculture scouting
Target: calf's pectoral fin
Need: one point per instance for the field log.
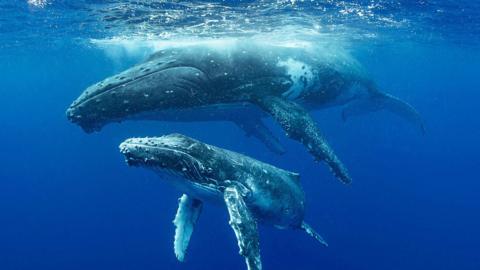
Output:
(256, 128)
(188, 211)
(306, 228)
(382, 101)
(300, 126)
(244, 226)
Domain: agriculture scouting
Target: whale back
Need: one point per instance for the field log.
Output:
(274, 195)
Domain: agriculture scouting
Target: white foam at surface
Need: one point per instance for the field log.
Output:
(141, 45)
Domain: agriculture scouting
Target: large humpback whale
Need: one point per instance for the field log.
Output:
(252, 191)
(240, 82)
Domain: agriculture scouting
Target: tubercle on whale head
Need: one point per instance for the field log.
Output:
(89, 126)
(97, 106)
(114, 98)
(132, 94)
(174, 153)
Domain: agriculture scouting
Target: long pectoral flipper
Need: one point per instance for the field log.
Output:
(189, 210)
(256, 128)
(244, 226)
(382, 101)
(305, 227)
(300, 126)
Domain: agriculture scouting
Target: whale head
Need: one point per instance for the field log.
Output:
(173, 155)
(157, 84)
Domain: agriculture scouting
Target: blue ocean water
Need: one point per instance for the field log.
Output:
(68, 200)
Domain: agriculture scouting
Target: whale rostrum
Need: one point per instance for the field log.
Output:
(252, 191)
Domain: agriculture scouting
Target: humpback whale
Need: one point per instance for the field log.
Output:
(241, 83)
(252, 191)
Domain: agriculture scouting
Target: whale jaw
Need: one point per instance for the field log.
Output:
(88, 126)
(176, 158)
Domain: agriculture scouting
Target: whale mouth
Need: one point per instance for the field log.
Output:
(90, 110)
(111, 84)
(88, 122)
(128, 76)
(108, 84)
(137, 154)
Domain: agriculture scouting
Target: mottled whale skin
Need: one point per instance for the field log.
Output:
(252, 190)
(240, 82)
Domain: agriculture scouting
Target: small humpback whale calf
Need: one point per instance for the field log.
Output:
(252, 190)
(240, 82)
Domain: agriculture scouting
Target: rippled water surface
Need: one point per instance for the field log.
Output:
(52, 21)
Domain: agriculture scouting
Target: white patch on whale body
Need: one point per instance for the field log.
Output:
(38, 3)
(301, 75)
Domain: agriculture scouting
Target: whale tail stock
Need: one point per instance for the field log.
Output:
(382, 101)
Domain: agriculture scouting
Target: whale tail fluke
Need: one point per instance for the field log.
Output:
(382, 101)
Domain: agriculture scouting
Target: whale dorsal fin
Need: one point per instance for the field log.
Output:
(244, 226)
(305, 227)
(188, 211)
(300, 126)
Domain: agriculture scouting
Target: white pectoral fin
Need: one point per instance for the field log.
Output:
(244, 226)
(383, 101)
(188, 211)
(305, 227)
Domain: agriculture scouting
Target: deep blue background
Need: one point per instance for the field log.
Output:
(68, 200)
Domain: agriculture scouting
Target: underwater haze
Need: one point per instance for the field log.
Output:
(69, 201)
